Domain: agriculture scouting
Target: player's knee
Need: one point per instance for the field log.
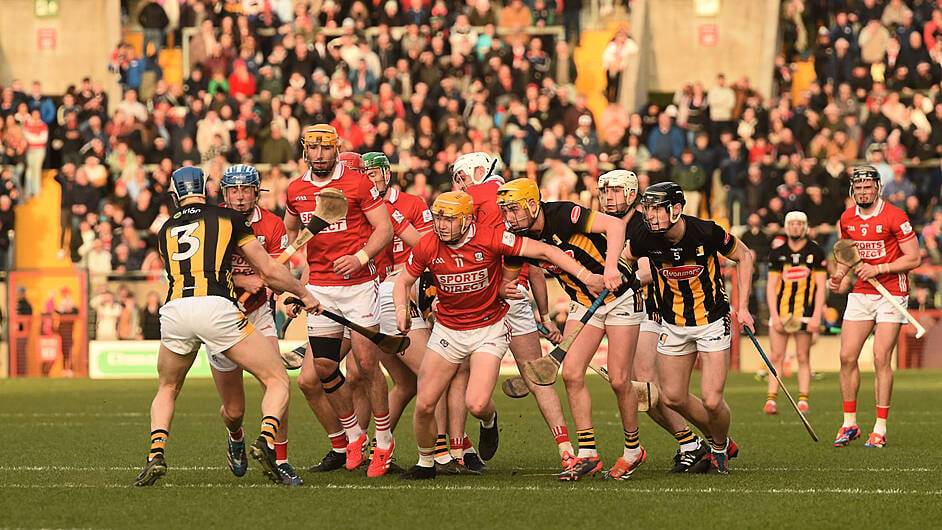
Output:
(309, 383)
(573, 376)
(333, 381)
(366, 367)
(233, 409)
(620, 382)
(674, 399)
(848, 359)
(326, 348)
(713, 403)
(424, 408)
(477, 406)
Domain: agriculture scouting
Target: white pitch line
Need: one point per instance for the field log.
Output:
(97, 414)
(437, 486)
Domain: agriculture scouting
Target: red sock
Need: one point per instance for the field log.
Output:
(883, 412)
(466, 443)
(338, 441)
(457, 444)
(850, 407)
(561, 433)
(281, 450)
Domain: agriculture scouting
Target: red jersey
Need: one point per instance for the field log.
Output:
(878, 237)
(484, 195)
(345, 237)
(467, 276)
(414, 209)
(270, 231)
(384, 260)
(486, 212)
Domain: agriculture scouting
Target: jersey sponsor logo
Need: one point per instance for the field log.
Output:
(795, 274)
(427, 216)
(463, 282)
(851, 228)
(398, 216)
(261, 239)
(508, 239)
(436, 261)
(576, 212)
(682, 272)
(397, 245)
(300, 198)
(871, 249)
(906, 228)
(339, 226)
(374, 192)
(284, 241)
(726, 239)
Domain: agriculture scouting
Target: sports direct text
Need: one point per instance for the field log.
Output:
(463, 282)
(871, 249)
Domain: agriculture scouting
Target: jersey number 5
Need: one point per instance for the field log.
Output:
(184, 235)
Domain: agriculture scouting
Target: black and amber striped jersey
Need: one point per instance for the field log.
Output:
(795, 292)
(566, 225)
(688, 283)
(197, 244)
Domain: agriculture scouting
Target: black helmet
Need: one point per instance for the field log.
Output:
(866, 198)
(665, 194)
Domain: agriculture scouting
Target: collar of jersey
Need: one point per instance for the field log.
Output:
(256, 215)
(393, 195)
(338, 171)
(876, 211)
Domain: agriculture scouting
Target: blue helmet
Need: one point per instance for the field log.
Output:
(188, 181)
(241, 175)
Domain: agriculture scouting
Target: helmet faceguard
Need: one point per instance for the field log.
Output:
(452, 215)
(324, 141)
(618, 191)
(796, 225)
(519, 202)
(666, 195)
(235, 181)
(378, 170)
(865, 186)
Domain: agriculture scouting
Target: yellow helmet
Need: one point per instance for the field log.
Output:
(320, 134)
(454, 205)
(520, 192)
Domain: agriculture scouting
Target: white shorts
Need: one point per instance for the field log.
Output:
(650, 326)
(684, 340)
(520, 316)
(357, 303)
(387, 311)
(185, 323)
(619, 312)
(874, 308)
(455, 346)
(263, 321)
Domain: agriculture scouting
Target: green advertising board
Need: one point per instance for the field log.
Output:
(137, 359)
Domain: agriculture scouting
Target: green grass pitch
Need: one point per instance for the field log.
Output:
(69, 450)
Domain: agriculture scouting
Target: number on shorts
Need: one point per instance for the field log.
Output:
(184, 235)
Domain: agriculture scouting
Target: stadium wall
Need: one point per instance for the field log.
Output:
(58, 50)
(686, 41)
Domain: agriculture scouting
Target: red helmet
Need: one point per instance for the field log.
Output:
(352, 160)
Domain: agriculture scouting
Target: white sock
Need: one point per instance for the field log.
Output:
(588, 453)
(425, 457)
(488, 424)
(384, 436)
(690, 446)
(880, 426)
(630, 455)
(850, 419)
(565, 447)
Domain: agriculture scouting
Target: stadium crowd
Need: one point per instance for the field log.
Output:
(426, 81)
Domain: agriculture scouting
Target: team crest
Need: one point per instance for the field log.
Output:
(700, 250)
(879, 229)
(444, 343)
(478, 257)
(810, 259)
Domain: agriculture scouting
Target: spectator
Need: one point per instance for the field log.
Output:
(45, 106)
(692, 179)
(666, 141)
(149, 317)
(615, 60)
(107, 311)
(722, 100)
(275, 148)
(36, 133)
(7, 225)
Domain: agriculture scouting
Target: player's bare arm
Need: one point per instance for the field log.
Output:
(744, 265)
(382, 235)
(401, 289)
(250, 283)
(508, 283)
(820, 293)
(643, 270)
(276, 275)
(905, 263)
(614, 230)
(538, 250)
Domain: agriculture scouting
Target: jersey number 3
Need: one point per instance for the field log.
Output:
(184, 235)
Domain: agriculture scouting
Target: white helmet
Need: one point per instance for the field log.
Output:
(468, 164)
(797, 216)
(621, 178)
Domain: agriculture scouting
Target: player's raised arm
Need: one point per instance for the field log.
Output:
(614, 230)
(530, 248)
